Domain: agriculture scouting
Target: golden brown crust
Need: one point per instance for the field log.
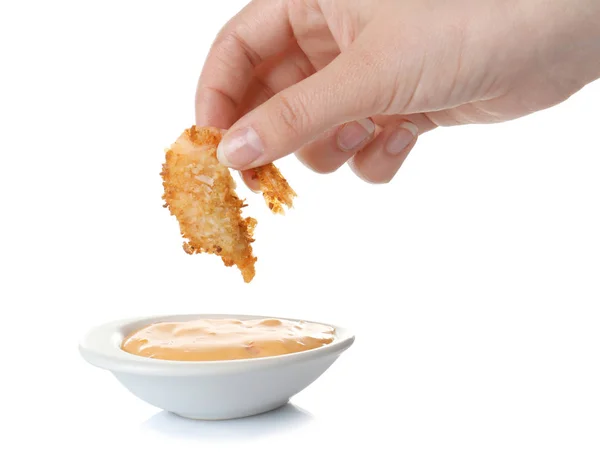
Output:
(276, 190)
(200, 193)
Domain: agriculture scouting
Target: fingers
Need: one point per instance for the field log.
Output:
(271, 77)
(335, 147)
(301, 113)
(251, 180)
(331, 151)
(375, 154)
(380, 161)
(258, 32)
(274, 75)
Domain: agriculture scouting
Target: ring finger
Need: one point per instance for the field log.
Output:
(337, 146)
(379, 161)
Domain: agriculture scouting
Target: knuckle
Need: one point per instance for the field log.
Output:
(223, 36)
(230, 43)
(291, 115)
(223, 45)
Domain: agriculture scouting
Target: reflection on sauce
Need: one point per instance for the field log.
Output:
(226, 339)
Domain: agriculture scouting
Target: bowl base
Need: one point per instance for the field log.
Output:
(200, 417)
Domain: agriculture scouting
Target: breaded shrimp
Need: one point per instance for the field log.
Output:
(200, 193)
(275, 188)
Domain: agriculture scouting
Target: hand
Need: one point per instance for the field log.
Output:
(358, 81)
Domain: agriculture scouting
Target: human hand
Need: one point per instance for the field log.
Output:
(358, 81)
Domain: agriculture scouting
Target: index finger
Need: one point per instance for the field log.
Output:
(262, 29)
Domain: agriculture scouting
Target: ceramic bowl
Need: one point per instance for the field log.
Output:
(209, 390)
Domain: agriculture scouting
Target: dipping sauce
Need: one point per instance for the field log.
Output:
(226, 339)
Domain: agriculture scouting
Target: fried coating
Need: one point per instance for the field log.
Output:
(276, 190)
(200, 193)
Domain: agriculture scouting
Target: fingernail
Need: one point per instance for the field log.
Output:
(404, 135)
(352, 135)
(240, 148)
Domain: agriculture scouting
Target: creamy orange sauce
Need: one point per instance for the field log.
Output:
(226, 339)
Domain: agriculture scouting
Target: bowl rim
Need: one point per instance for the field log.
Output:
(101, 347)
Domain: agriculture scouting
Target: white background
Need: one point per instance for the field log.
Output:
(471, 281)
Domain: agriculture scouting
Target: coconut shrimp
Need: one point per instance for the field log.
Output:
(200, 193)
(275, 189)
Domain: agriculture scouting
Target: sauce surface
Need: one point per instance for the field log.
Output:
(226, 339)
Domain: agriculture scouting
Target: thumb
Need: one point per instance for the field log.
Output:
(343, 91)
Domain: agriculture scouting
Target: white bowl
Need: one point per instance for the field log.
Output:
(209, 390)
